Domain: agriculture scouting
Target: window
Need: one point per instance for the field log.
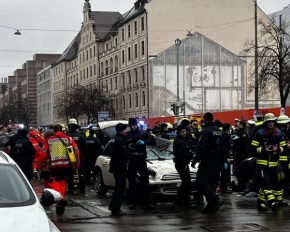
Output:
(116, 82)
(94, 69)
(143, 48)
(111, 83)
(123, 75)
(91, 71)
(94, 51)
(106, 86)
(136, 75)
(84, 72)
(124, 102)
(87, 55)
(129, 54)
(129, 31)
(116, 41)
(129, 73)
(142, 24)
(90, 53)
(123, 57)
(117, 105)
(87, 72)
(123, 34)
(107, 46)
(130, 100)
(84, 58)
(136, 99)
(83, 40)
(136, 51)
(143, 98)
(135, 27)
(143, 73)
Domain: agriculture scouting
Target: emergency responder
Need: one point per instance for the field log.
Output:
(149, 130)
(189, 135)
(25, 154)
(137, 141)
(103, 138)
(226, 174)
(195, 133)
(55, 152)
(37, 142)
(118, 166)
(163, 132)
(41, 132)
(258, 126)
(282, 124)
(182, 157)
(156, 128)
(268, 145)
(240, 143)
(94, 150)
(235, 126)
(209, 152)
(251, 129)
(76, 181)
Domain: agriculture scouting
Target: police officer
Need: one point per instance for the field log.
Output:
(118, 166)
(137, 141)
(94, 150)
(83, 150)
(268, 145)
(209, 152)
(103, 138)
(189, 136)
(25, 154)
(12, 142)
(163, 132)
(182, 157)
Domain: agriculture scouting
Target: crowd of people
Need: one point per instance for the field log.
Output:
(256, 150)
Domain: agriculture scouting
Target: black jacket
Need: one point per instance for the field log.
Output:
(120, 155)
(163, 134)
(181, 150)
(12, 142)
(241, 145)
(24, 150)
(103, 138)
(94, 147)
(210, 146)
(132, 139)
(80, 142)
(156, 130)
(227, 144)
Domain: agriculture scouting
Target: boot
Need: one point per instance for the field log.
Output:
(60, 207)
(274, 207)
(262, 207)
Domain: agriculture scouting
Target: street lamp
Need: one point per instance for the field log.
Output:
(17, 32)
(189, 34)
(177, 44)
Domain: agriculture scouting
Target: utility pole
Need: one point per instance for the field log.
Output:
(256, 112)
(282, 111)
(177, 43)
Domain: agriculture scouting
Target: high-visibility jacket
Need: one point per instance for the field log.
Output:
(88, 134)
(55, 152)
(264, 139)
(37, 143)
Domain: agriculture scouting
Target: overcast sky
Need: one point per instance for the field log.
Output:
(57, 15)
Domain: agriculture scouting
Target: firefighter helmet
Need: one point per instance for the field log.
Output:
(283, 119)
(72, 121)
(269, 117)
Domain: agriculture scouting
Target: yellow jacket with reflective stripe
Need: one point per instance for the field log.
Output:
(261, 141)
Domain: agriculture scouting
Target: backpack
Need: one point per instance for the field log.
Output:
(108, 150)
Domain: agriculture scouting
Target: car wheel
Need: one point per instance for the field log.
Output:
(99, 186)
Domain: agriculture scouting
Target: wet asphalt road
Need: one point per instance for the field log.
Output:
(89, 213)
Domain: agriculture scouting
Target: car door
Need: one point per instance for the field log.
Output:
(108, 177)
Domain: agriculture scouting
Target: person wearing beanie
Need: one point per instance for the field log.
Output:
(182, 157)
(163, 132)
(137, 141)
(189, 134)
(209, 152)
(24, 154)
(94, 151)
(83, 151)
(118, 166)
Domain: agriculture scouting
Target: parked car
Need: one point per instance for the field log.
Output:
(163, 177)
(20, 209)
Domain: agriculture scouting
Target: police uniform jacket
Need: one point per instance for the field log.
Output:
(181, 150)
(94, 147)
(134, 136)
(80, 142)
(263, 138)
(120, 155)
(24, 150)
(241, 144)
(210, 146)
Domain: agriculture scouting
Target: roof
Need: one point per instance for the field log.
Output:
(71, 51)
(131, 14)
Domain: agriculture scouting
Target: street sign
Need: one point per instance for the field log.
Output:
(103, 115)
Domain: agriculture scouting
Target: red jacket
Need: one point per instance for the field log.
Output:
(36, 139)
(55, 152)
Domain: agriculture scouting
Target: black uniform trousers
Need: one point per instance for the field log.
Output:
(119, 192)
(207, 180)
(90, 164)
(141, 166)
(225, 178)
(26, 167)
(184, 191)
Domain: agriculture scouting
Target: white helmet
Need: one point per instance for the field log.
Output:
(283, 119)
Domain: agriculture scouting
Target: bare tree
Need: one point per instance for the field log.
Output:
(25, 112)
(273, 61)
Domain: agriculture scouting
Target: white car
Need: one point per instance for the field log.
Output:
(20, 209)
(163, 177)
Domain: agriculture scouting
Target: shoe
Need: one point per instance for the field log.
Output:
(150, 207)
(282, 203)
(35, 174)
(207, 209)
(60, 207)
(119, 213)
(217, 206)
(132, 206)
(262, 207)
(274, 207)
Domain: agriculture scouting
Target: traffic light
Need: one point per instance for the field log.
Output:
(173, 108)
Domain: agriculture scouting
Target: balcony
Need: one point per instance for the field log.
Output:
(108, 52)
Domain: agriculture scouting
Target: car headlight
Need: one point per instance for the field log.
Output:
(152, 174)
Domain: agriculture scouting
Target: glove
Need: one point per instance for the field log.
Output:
(193, 155)
(103, 147)
(140, 142)
(226, 166)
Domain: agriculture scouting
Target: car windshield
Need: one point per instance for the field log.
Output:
(154, 154)
(14, 190)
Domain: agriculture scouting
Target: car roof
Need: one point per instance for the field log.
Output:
(107, 124)
(5, 159)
